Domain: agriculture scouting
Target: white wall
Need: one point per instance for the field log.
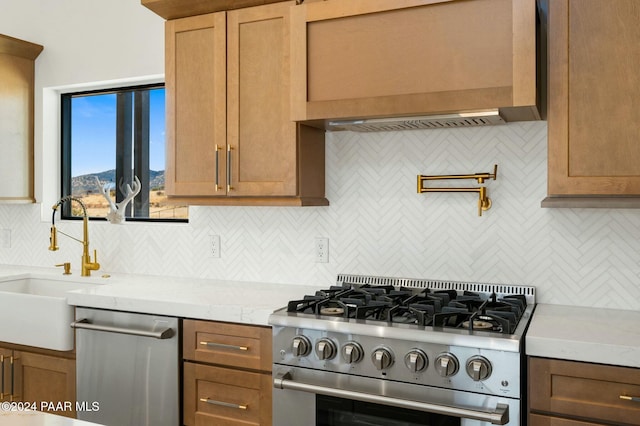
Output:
(376, 223)
(85, 41)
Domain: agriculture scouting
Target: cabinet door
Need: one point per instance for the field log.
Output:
(594, 87)
(368, 58)
(45, 379)
(195, 73)
(6, 358)
(16, 119)
(260, 135)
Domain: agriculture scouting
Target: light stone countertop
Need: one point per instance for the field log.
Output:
(38, 418)
(605, 336)
(219, 300)
(597, 335)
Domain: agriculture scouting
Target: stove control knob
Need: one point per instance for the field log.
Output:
(446, 365)
(478, 368)
(301, 346)
(352, 352)
(325, 349)
(382, 358)
(416, 360)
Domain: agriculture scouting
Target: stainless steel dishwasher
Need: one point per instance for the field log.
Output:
(128, 368)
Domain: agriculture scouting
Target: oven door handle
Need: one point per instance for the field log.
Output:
(498, 417)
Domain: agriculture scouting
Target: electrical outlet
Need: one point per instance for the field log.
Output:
(5, 238)
(214, 246)
(322, 250)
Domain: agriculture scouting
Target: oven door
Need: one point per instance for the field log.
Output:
(309, 397)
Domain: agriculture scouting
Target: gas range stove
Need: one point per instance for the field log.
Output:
(448, 335)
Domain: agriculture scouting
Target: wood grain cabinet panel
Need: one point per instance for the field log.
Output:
(372, 58)
(39, 376)
(47, 378)
(594, 119)
(5, 374)
(227, 374)
(236, 345)
(229, 135)
(222, 396)
(17, 74)
(538, 420)
(582, 392)
(195, 75)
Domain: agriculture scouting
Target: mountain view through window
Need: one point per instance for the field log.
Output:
(113, 137)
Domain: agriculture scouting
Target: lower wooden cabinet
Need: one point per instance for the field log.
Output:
(39, 377)
(225, 396)
(568, 393)
(226, 374)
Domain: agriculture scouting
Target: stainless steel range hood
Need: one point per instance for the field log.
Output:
(444, 121)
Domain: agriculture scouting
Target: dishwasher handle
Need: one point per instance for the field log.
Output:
(167, 333)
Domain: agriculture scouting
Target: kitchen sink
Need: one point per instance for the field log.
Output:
(34, 311)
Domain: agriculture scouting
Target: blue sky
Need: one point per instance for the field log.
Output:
(94, 127)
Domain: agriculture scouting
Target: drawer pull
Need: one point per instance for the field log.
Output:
(222, 345)
(630, 398)
(223, 404)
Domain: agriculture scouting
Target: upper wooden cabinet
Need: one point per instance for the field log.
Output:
(17, 69)
(594, 116)
(381, 58)
(196, 89)
(230, 139)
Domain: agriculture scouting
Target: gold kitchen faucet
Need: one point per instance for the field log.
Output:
(87, 264)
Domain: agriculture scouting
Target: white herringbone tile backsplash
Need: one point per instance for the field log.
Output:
(377, 224)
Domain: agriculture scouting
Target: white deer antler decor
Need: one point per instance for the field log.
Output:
(116, 211)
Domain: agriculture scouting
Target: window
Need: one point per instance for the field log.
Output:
(115, 136)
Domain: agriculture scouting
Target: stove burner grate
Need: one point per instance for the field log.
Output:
(438, 308)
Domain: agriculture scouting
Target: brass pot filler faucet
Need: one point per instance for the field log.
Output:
(87, 264)
(484, 202)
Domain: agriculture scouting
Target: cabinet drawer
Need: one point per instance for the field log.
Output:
(223, 396)
(221, 343)
(584, 390)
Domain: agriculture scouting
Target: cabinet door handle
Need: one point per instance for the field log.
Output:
(224, 404)
(225, 346)
(217, 167)
(630, 398)
(2, 386)
(12, 378)
(11, 359)
(229, 187)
